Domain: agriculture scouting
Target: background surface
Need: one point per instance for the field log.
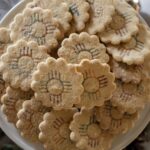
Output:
(141, 143)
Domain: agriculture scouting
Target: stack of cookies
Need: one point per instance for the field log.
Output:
(74, 73)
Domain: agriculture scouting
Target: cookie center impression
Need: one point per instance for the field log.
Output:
(36, 119)
(26, 63)
(94, 131)
(64, 131)
(91, 85)
(131, 44)
(38, 29)
(115, 114)
(84, 55)
(129, 89)
(18, 105)
(55, 87)
(118, 22)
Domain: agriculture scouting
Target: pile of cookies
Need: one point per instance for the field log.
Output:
(74, 73)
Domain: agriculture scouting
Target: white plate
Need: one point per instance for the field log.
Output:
(119, 143)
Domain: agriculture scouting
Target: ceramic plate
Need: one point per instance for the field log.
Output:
(119, 143)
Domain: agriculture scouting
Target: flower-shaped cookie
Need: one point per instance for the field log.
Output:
(98, 83)
(134, 51)
(131, 97)
(19, 63)
(101, 15)
(124, 24)
(12, 102)
(57, 84)
(29, 118)
(79, 10)
(55, 133)
(61, 13)
(4, 39)
(82, 46)
(37, 25)
(113, 120)
(128, 73)
(86, 131)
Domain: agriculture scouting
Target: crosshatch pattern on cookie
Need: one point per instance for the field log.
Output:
(82, 46)
(37, 25)
(29, 118)
(55, 132)
(113, 120)
(98, 83)
(12, 102)
(134, 51)
(101, 15)
(80, 12)
(19, 63)
(124, 25)
(131, 97)
(61, 13)
(86, 131)
(55, 82)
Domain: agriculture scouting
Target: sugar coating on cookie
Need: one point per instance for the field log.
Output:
(29, 118)
(57, 84)
(124, 24)
(131, 97)
(12, 102)
(82, 46)
(101, 15)
(36, 25)
(135, 50)
(19, 63)
(80, 12)
(61, 13)
(87, 133)
(98, 83)
(55, 132)
(113, 120)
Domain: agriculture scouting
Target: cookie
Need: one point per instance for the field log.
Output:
(12, 102)
(124, 25)
(134, 51)
(128, 73)
(113, 120)
(4, 39)
(101, 15)
(4, 42)
(82, 46)
(30, 116)
(131, 97)
(86, 131)
(19, 63)
(61, 13)
(36, 25)
(135, 5)
(80, 12)
(98, 83)
(55, 133)
(2, 87)
(57, 84)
